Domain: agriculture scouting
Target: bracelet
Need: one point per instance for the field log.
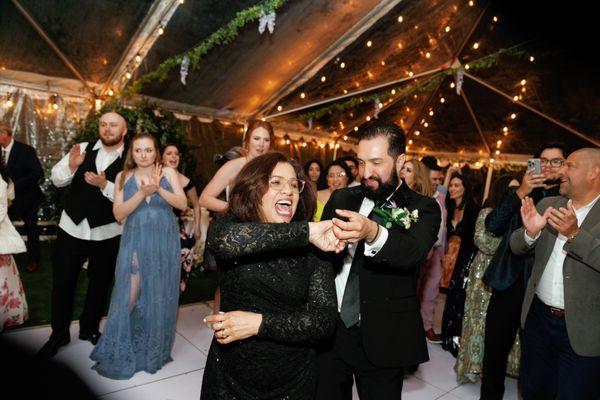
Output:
(376, 234)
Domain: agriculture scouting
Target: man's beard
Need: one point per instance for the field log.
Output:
(110, 143)
(550, 182)
(383, 191)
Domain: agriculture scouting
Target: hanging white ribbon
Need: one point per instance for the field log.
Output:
(459, 77)
(183, 71)
(377, 108)
(266, 21)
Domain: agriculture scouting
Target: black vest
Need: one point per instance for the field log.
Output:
(86, 201)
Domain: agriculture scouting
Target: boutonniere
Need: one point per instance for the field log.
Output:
(393, 214)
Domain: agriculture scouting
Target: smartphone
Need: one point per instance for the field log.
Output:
(534, 163)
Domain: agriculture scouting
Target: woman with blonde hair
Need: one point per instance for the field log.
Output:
(416, 176)
(140, 330)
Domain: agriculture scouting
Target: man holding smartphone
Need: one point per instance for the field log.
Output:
(508, 273)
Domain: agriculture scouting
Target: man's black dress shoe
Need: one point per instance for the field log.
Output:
(51, 347)
(90, 336)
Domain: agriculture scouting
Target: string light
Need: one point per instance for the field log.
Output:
(279, 108)
(467, 66)
(410, 73)
(161, 30)
(452, 85)
(393, 91)
(369, 43)
(356, 129)
(417, 133)
(345, 138)
(497, 152)
(410, 141)
(382, 63)
(471, 3)
(495, 18)
(476, 45)
(431, 113)
(345, 91)
(513, 116)
(323, 78)
(532, 59)
(368, 118)
(426, 124)
(342, 65)
(302, 95)
(442, 100)
(523, 82)
(111, 92)
(516, 98)
(287, 141)
(400, 45)
(447, 29)
(138, 58)
(427, 55)
(499, 143)
(337, 145)
(322, 145)
(400, 18)
(128, 75)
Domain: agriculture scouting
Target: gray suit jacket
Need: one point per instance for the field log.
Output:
(581, 275)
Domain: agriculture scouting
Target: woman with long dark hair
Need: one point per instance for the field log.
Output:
(277, 293)
(462, 215)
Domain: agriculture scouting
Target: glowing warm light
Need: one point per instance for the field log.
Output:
(495, 19)
(111, 92)
(471, 3)
(337, 145)
(447, 29)
(400, 45)
(356, 128)
(442, 100)
(322, 145)
(302, 95)
(410, 73)
(345, 91)
(532, 58)
(505, 129)
(492, 160)
(516, 98)
(9, 103)
(499, 142)
(513, 116)
(128, 75)
(343, 65)
(427, 55)
(368, 118)
(55, 106)
(287, 141)
(304, 144)
(417, 133)
(467, 66)
(279, 108)
(263, 119)
(400, 18)
(138, 58)
(393, 91)
(382, 63)
(426, 124)
(497, 152)
(323, 78)
(523, 82)
(345, 137)
(475, 45)
(410, 141)
(161, 30)
(369, 43)
(452, 85)
(431, 113)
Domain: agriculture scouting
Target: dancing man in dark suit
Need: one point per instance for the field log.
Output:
(380, 330)
(24, 169)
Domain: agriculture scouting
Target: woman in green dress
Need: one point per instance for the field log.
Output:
(470, 355)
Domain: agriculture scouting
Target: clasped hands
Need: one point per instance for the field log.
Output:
(564, 220)
(335, 234)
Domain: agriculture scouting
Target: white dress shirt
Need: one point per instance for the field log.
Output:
(550, 288)
(62, 176)
(370, 251)
(6, 150)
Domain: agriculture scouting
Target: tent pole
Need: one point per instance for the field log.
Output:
(534, 110)
(488, 183)
(486, 144)
(53, 46)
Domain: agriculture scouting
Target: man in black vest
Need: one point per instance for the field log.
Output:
(24, 169)
(380, 330)
(87, 231)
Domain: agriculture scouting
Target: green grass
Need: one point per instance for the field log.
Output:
(38, 287)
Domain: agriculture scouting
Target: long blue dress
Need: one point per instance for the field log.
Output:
(139, 336)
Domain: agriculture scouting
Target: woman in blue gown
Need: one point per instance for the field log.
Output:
(140, 330)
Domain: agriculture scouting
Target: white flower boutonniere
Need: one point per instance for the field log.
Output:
(396, 215)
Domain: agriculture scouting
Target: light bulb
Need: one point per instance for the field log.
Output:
(495, 19)
(505, 129)
(442, 100)
(532, 58)
(475, 45)
(467, 66)
(513, 116)
(393, 91)
(279, 108)
(410, 73)
(447, 29)
(55, 106)
(400, 18)
(499, 142)
(111, 92)
(323, 78)
(138, 58)
(431, 113)
(369, 43)
(345, 137)
(426, 124)
(497, 152)
(302, 95)
(368, 118)
(9, 103)
(410, 141)
(417, 133)
(471, 3)
(356, 128)
(343, 65)
(161, 30)
(452, 85)
(128, 75)
(516, 98)
(523, 82)
(427, 55)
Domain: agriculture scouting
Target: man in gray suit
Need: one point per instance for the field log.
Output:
(561, 310)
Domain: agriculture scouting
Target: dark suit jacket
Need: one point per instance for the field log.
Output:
(25, 170)
(391, 323)
(581, 276)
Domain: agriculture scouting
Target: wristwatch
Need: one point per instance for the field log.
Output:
(573, 236)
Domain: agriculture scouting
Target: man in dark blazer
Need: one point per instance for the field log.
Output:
(560, 353)
(24, 169)
(380, 330)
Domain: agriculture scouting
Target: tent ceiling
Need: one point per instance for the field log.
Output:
(240, 78)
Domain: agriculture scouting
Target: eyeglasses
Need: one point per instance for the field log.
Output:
(338, 175)
(277, 183)
(555, 162)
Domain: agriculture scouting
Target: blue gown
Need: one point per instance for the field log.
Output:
(139, 336)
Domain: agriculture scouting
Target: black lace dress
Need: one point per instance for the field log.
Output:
(269, 269)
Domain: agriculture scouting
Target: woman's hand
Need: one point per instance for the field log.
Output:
(153, 181)
(322, 236)
(234, 325)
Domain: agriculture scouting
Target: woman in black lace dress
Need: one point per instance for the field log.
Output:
(277, 294)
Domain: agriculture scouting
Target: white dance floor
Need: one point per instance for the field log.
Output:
(181, 379)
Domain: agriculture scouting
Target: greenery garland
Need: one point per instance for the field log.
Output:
(425, 86)
(224, 35)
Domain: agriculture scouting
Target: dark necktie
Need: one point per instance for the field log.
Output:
(350, 310)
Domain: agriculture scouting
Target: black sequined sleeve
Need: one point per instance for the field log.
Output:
(229, 240)
(318, 321)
